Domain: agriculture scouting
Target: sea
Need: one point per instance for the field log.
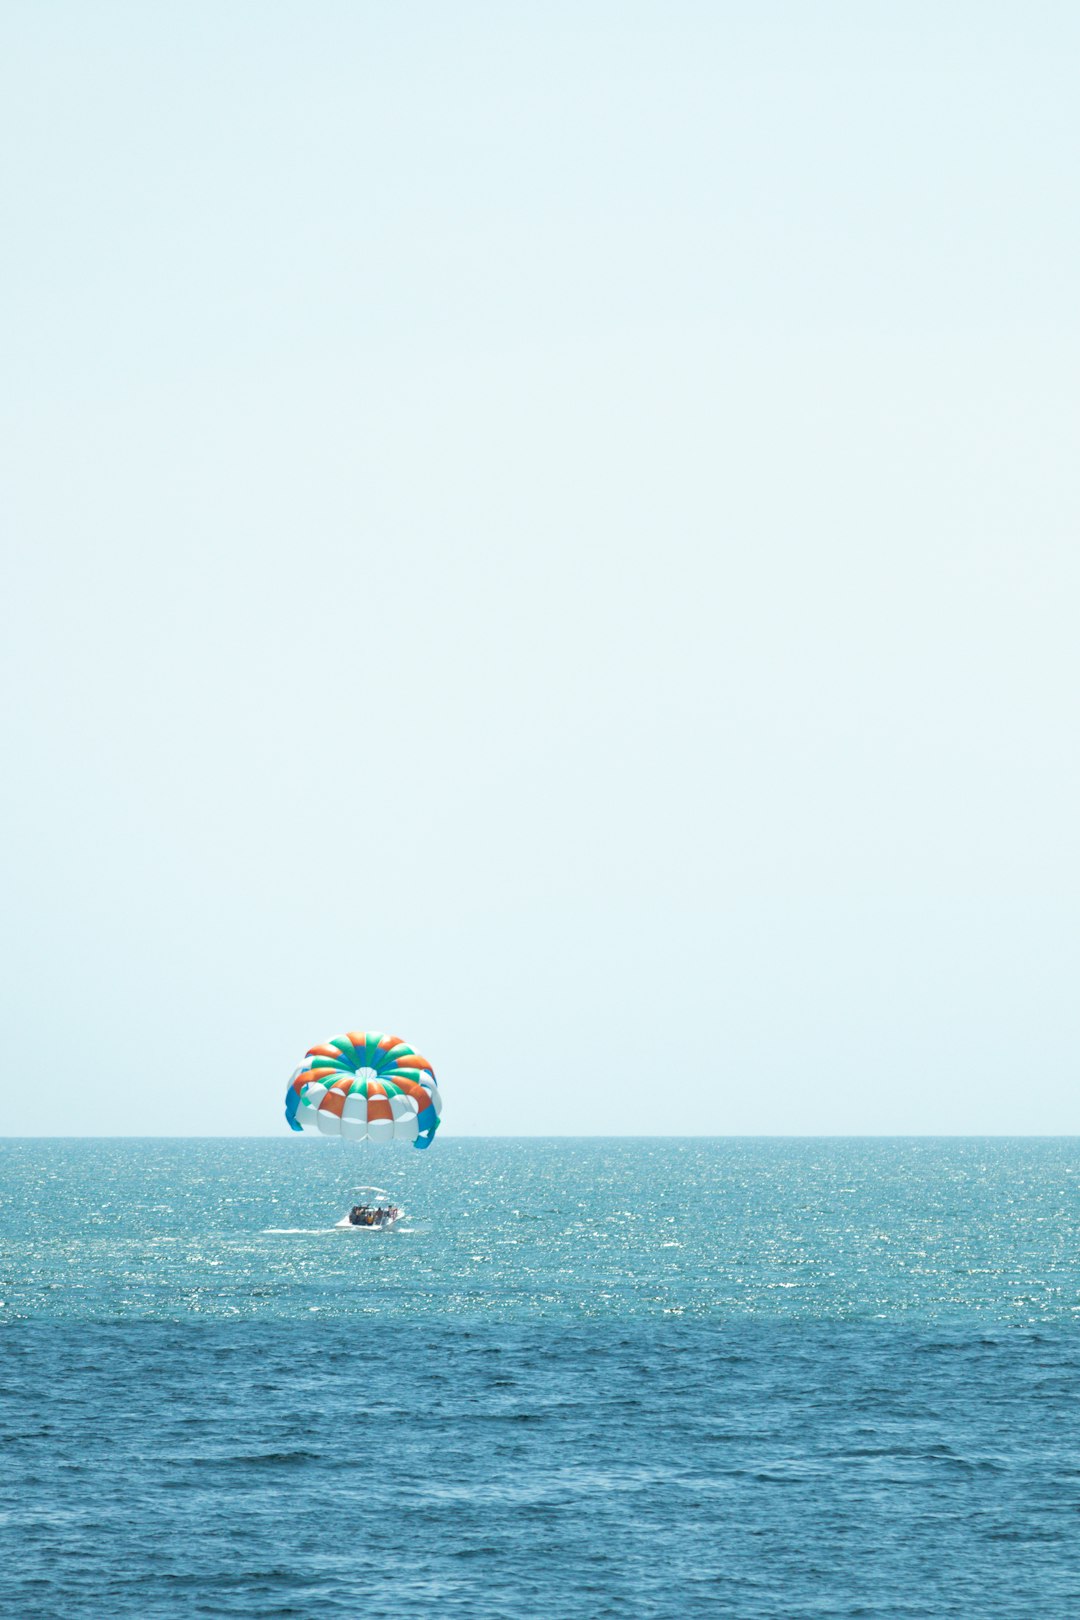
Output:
(782, 1378)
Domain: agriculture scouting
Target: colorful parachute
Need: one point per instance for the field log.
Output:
(366, 1085)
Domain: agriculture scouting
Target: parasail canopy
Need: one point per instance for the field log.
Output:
(365, 1085)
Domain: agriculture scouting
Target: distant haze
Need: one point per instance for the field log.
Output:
(551, 530)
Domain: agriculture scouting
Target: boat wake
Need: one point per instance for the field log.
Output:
(294, 1231)
(323, 1231)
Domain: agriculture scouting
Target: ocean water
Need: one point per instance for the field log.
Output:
(775, 1378)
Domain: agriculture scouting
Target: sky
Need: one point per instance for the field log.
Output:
(551, 530)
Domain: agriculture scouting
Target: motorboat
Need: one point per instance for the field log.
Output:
(374, 1211)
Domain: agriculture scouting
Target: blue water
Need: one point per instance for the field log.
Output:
(697, 1378)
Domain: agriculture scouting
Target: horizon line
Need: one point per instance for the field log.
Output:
(515, 1136)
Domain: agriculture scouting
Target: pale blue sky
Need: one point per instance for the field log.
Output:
(550, 529)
